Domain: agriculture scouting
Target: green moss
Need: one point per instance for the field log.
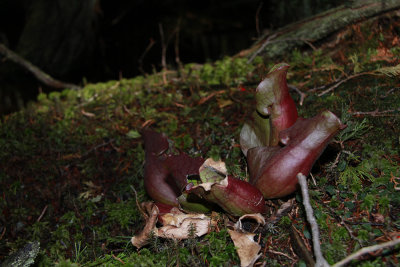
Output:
(79, 153)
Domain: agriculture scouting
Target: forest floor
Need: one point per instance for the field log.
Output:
(68, 162)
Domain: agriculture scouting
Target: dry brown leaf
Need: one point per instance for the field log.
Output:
(383, 54)
(256, 217)
(177, 219)
(176, 225)
(183, 228)
(246, 248)
(224, 102)
(216, 165)
(151, 213)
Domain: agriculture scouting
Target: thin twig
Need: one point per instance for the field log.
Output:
(376, 113)
(177, 58)
(3, 233)
(163, 54)
(313, 179)
(302, 95)
(140, 60)
(41, 214)
(320, 260)
(279, 253)
(366, 250)
(342, 222)
(163, 47)
(334, 164)
(118, 259)
(97, 147)
(138, 204)
(266, 42)
(38, 73)
(388, 93)
(342, 81)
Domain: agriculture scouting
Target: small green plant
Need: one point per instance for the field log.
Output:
(354, 129)
(352, 176)
(79, 252)
(218, 249)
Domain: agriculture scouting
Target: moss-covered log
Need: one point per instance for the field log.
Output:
(318, 27)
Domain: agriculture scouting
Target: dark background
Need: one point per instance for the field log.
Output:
(98, 40)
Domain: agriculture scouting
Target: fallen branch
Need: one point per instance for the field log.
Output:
(38, 73)
(342, 81)
(376, 113)
(366, 250)
(377, 72)
(320, 26)
(320, 260)
(280, 254)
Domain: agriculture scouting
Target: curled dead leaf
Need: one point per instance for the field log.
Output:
(246, 248)
(150, 212)
(176, 225)
(183, 226)
(257, 217)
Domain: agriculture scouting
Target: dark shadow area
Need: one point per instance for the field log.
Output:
(91, 41)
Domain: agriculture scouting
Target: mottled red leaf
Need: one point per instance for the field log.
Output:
(275, 111)
(273, 170)
(165, 173)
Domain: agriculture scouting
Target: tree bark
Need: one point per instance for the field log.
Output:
(59, 36)
(316, 28)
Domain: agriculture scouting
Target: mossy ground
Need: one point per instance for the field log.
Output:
(68, 161)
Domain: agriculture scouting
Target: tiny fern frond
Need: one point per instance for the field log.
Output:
(389, 71)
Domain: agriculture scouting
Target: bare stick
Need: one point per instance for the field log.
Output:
(140, 61)
(280, 253)
(3, 233)
(366, 250)
(389, 92)
(38, 73)
(302, 95)
(41, 214)
(138, 204)
(266, 42)
(177, 58)
(342, 81)
(118, 259)
(376, 113)
(320, 260)
(163, 48)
